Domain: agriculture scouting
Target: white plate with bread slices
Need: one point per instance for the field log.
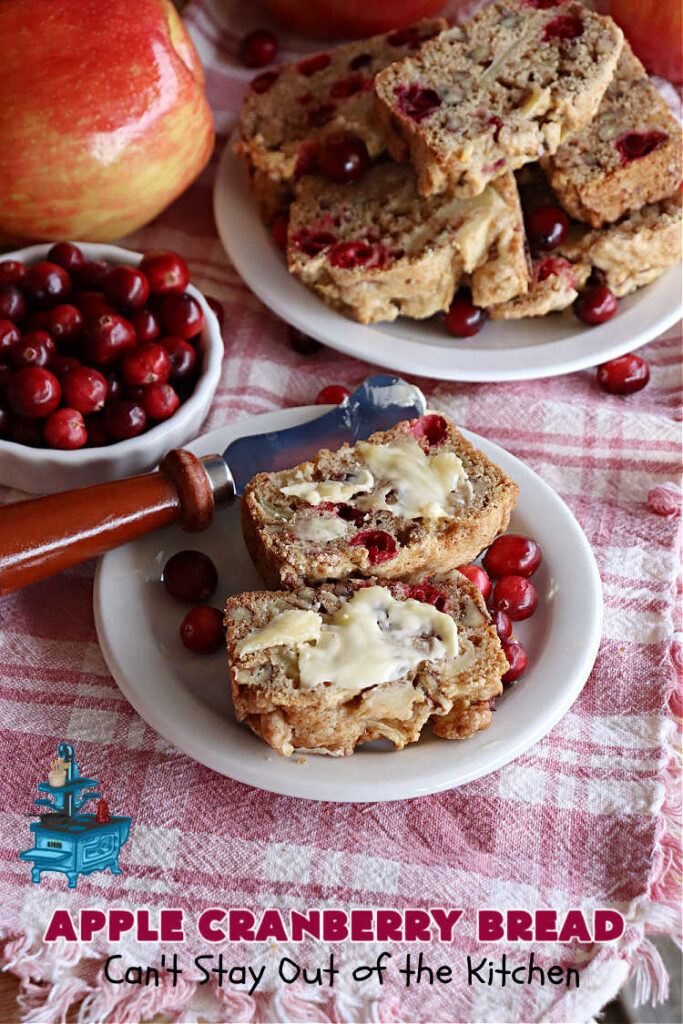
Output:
(532, 347)
(186, 698)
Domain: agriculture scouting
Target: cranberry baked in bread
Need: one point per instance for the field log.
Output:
(418, 498)
(500, 91)
(629, 155)
(319, 670)
(375, 249)
(291, 110)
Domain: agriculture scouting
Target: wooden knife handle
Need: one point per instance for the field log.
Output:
(45, 535)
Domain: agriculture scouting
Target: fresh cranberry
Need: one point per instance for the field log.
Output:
(307, 159)
(146, 364)
(98, 435)
(262, 83)
(27, 431)
(202, 630)
(91, 274)
(302, 343)
(321, 115)
(258, 48)
(333, 394)
(124, 419)
(61, 365)
(106, 338)
(126, 287)
(12, 272)
(342, 160)
(115, 386)
(563, 26)
(380, 545)
(160, 401)
(311, 243)
(552, 266)
(12, 302)
(409, 36)
(515, 595)
(309, 66)
(513, 554)
(516, 657)
(85, 389)
(66, 255)
(5, 374)
(361, 60)
(65, 323)
(464, 319)
(182, 356)
(502, 624)
(190, 577)
(357, 253)
(633, 145)
(33, 392)
(145, 325)
(5, 421)
(9, 335)
(35, 348)
(166, 272)
(547, 227)
(429, 594)
(46, 284)
(416, 101)
(181, 315)
(135, 393)
(345, 87)
(92, 304)
(65, 428)
(595, 305)
(216, 307)
(624, 375)
(278, 230)
(477, 576)
(431, 428)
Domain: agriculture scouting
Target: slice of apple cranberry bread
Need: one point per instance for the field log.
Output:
(496, 92)
(418, 498)
(320, 670)
(290, 111)
(376, 249)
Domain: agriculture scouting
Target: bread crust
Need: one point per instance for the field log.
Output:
(283, 560)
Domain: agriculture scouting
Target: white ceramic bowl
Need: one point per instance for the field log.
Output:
(43, 470)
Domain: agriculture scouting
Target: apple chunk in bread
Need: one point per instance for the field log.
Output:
(323, 669)
(418, 498)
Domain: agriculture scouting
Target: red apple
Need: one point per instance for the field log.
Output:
(103, 116)
(350, 18)
(653, 28)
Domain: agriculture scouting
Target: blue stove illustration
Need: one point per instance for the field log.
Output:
(67, 840)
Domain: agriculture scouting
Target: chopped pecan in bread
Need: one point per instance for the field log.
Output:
(418, 498)
(320, 670)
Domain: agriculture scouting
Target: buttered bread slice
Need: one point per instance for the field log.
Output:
(415, 499)
(321, 670)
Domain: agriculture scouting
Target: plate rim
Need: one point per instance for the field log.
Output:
(282, 783)
(322, 322)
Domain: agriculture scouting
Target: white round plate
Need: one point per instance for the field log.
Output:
(504, 350)
(186, 698)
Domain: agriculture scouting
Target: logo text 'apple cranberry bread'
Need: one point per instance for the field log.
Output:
(629, 155)
(319, 670)
(291, 111)
(417, 498)
(375, 249)
(498, 92)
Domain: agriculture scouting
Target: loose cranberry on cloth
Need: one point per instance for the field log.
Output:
(585, 818)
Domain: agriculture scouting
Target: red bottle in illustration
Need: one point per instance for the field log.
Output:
(102, 816)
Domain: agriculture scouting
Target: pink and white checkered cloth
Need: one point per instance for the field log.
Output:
(586, 818)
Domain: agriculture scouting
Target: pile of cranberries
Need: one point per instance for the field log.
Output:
(190, 577)
(92, 354)
(510, 560)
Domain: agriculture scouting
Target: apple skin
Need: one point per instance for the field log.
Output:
(344, 19)
(103, 117)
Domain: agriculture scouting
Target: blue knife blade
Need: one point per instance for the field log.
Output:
(379, 403)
